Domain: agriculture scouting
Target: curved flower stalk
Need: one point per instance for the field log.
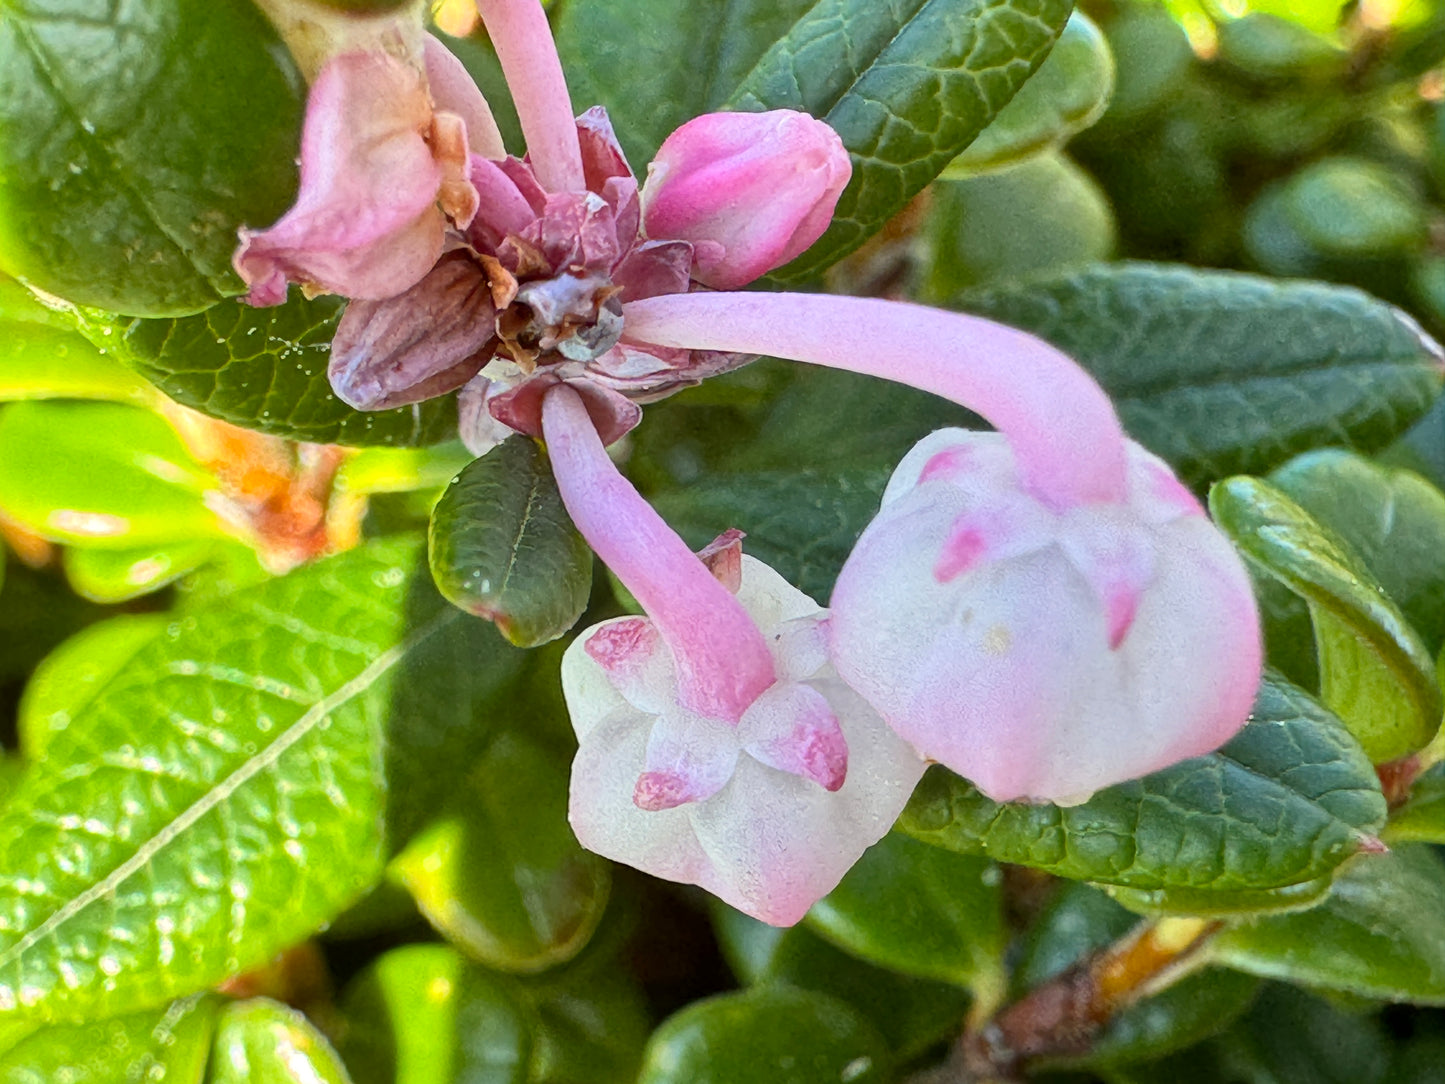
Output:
(1045, 610)
(718, 747)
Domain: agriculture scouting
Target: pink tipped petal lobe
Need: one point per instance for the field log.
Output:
(792, 728)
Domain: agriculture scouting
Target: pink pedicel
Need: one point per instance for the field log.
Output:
(717, 746)
(1120, 640)
(749, 190)
(382, 174)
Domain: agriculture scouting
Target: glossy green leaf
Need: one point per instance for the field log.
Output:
(1284, 802)
(502, 876)
(503, 547)
(1221, 373)
(423, 1015)
(591, 1026)
(1227, 904)
(134, 140)
(922, 911)
(264, 369)
(1067, 94)
(912, 1014)
(225, 794)
(101, 474)
(1375, 673)
(263, 1042)
(110, 576)
(42, 356)
(170, 1044)
(768, 1033)
(1393, 519)
(402, 470)
(69, 678)
(1043, 216)
(1380, 934)
(907, 84)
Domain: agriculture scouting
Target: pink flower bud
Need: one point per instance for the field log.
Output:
(1045, 654)
(749, 190)
(767, 813)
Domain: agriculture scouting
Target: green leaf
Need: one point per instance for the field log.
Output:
(1422, 818)
(69, 678)
(1043, 216)
(1381, 934)
(502, 876)
(43, 357)
(907, 84)
(1221, 373)
(170, 1044)
(1232, 903)
(912, 1014)
(1284, 802)
(134, 140)
(1067, 94)
(1077, 921)
(503, 547)
(402, 470)
(225, 794)
(1352, 208)
(261, 1041)
(1393, 519)
(263, 369)
(922, 911)
(803, 523)
(110, 576)
(769, 1033)
(101, 474)
(423, 1015)
(591, 1026)
(1374, 671)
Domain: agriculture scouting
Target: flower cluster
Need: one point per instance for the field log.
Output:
(1042, 621)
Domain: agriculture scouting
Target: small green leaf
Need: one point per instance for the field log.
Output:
(1381, 934)
(502, 876)
(263, 369)
(170, 1044)
(225, 793)
(1222, 373)
(912, 1014)
(69, 677)
(1067, 94)
(1284, 802)
(402, 470)
(110, 576)
(261, 1041)
(423, 1015)
(922, 911)
(1393, 519)
(1422, 818)
(1292, 1037)
(1352, 207)
(1078, 921)
(134, 140)
(1233, 903)
(1267, 47)
(591, 1026)
(768, 1033)
(1375, 673)
(1043, 216)
(101, 474)
(907, 84)
(503, 547)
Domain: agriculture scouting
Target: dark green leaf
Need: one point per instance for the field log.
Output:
(1284, 802)
(101, 474)
(224, 795)
(1066, 95)
(264, 369)
(1374, 671)
(170, 1044)
(1381, 934)
(907, 84)
(769, 1033)
(423, 1015)
(263, 1042)
(912, 1014)
(502, 876)
(591, 1026)
(1394, 519)
(1291, 1037)
(134, 140)
(1222, 373)
(1044, 216)
(37, 612)
(922, 911)
(503, 547)
(1078, 921)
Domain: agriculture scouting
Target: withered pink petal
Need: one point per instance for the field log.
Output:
(503, 209)
(422, 343)
(365, 223)
(520, 407)
(763, 186)
(724, 558)
(654, 268)
(602, 156)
